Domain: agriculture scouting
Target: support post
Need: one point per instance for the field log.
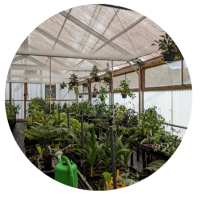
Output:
(50, 86)
(53, 109)
(112, 101)
(82, 135)
(25, 98)
(68, 117)
(112, 153)
(140, 90)
(59, 113)
(10, 95)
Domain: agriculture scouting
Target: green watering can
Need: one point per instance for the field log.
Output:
(65, 171)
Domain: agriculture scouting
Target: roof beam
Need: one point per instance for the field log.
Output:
(19, 58)
(63, 44)
(122, 32)
(94, 33)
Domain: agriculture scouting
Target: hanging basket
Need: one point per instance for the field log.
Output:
(124, 95)
(94, 96)
(97, 79)
(169, 57)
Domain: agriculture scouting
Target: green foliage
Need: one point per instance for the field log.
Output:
(94, 72)
(11, 110)
(155, 165)
(102, 93)
(124, 89)
(167, 45)
(76, 88)
(73, 81)
(63, 85)
(108, 78)
(107, 176)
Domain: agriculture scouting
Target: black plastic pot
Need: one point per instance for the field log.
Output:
(94, 96)
(80, 96)
(102, 99)
(169, 57)
(97, 79)
(124, 95)
(48, 162)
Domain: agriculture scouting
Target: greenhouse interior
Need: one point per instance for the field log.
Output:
(98, 97)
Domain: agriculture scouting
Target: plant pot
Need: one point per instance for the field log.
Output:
(169, 57)
(48, 162)
(94, 96)
(102, 99)
(80, 96)
(124, 95)
(97, 79)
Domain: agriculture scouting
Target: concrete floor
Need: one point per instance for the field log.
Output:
(18, 135)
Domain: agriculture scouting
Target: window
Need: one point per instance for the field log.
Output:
(53, 91)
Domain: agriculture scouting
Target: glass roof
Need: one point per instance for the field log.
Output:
(78, 38)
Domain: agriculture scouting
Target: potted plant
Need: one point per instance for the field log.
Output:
(94, 94)
(94, 74)
(76, 88)
(80, 96)
(85, 86)
(169, 48)
(124, 89)
(63, 85)
(102, 95)
(73, 81)
(107, 79)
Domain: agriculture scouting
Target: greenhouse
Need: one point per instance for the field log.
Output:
(98, 97)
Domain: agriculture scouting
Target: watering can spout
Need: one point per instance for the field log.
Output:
(59, 154)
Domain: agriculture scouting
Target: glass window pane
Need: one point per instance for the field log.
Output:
(186, 74)
(133, 77)
(53, 91)
(163, 75)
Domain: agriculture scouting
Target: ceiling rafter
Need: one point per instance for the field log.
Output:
(120, 33)
(19, 58)
(96, 34)
(63, 44)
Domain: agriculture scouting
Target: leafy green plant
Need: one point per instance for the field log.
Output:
(63, 85)
(102, 93)
(108, 78)
(11, 110)
(76, 88)
(94, 73)
(167, 45)
(124, 89)
(85, 86)
(73, 81)
(155, 165)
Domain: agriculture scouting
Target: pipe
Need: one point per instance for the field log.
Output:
(112, 153)
(68, 117)
(50, 85)
(84, 180)
(82, 135)
(70, 170)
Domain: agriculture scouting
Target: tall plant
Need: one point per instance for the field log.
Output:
(94, 73)
(124, 89)
(102, 93)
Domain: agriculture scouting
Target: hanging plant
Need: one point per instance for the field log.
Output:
(63, 85)
(124, 89)
(85, 86)
(94, 74)
(168, 47)
(95, 91)
(73, 81)
(80, 96)
(102, 93)
(76, 88)
(108, 78)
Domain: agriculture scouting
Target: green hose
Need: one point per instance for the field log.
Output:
(70, 170)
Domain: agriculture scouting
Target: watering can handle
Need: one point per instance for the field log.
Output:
(64, 158)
